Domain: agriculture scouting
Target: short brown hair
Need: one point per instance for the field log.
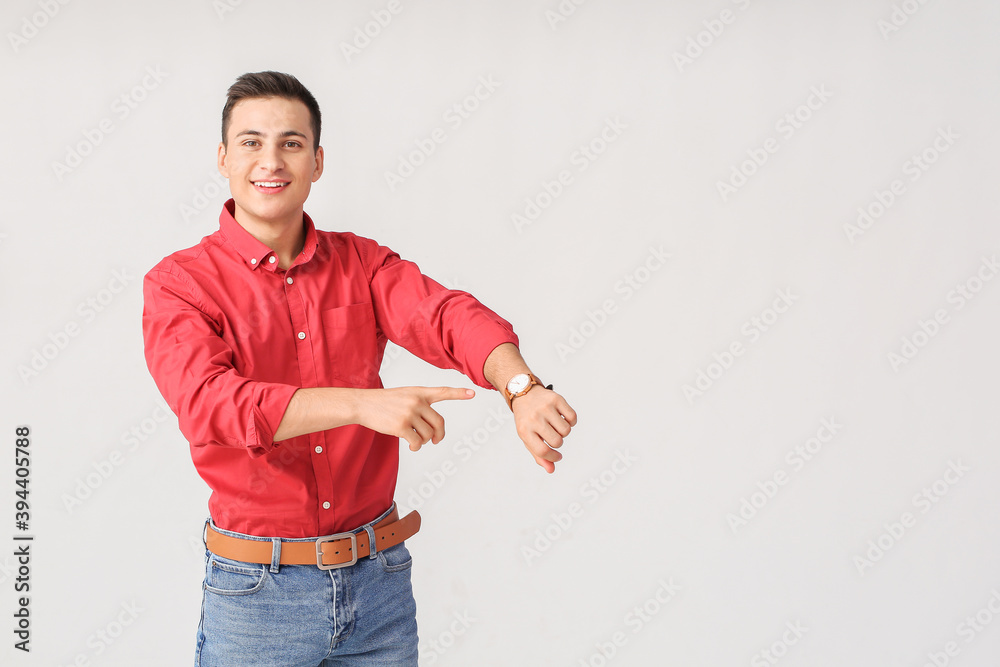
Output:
(270, 84)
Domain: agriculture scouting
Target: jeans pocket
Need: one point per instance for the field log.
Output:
(395, 559)
(233, 577)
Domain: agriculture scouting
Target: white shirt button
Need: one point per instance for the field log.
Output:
(319, 450)
(253, 260)
(302, 335)
(288, 280)
(326, 506)
(271, 259)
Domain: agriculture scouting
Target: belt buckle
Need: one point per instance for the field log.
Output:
(333, 538)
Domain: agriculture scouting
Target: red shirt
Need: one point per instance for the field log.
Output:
(229, 337)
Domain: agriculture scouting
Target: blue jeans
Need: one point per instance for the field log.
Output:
(299, 615)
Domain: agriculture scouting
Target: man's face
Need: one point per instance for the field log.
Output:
(270, 142)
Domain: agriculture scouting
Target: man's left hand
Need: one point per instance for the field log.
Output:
(543, 419)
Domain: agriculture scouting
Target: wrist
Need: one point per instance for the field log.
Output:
(519, 385)
(353, 403)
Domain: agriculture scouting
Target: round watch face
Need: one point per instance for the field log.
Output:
(518, 383)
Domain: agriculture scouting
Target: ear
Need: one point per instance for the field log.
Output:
(223, 167)
(318, 171)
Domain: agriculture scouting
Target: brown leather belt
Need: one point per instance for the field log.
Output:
(327, 553)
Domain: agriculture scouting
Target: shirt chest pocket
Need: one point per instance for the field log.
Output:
(350, 336)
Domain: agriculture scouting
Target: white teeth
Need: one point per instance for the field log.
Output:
(269, 184)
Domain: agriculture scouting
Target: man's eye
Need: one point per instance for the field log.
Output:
(248, 142)
(292, 143)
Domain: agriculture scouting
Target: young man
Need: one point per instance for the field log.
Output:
(266, 340)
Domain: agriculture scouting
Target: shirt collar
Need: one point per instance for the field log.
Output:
(254, 252)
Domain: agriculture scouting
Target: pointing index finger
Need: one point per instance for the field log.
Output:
(451, 394)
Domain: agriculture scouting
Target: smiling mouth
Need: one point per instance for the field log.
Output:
(269, 186)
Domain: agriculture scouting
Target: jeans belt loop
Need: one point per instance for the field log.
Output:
(275, 554)
(372, 547)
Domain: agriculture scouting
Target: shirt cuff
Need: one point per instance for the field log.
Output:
(487, 338)
(270, 400)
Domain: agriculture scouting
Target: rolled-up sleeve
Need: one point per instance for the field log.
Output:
(192, 366)
(444, 327)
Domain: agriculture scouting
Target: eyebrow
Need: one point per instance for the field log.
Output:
(286, 133)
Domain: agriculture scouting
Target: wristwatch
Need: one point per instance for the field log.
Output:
(519, 386)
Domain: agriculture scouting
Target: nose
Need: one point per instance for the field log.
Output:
(270, 158)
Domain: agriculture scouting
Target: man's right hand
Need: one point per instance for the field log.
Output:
(406, 412)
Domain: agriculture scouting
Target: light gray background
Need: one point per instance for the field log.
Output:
(662, 517)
